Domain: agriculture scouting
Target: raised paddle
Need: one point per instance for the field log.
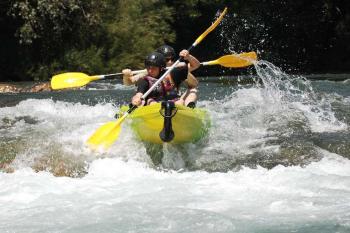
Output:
(234, 60)
(108, 133)
(76, 79)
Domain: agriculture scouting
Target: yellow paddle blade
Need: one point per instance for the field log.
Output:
(70, 80)
(106, 135)
(211, 28)
(235, 60)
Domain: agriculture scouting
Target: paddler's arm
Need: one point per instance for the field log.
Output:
(193, 62)
(191, 81)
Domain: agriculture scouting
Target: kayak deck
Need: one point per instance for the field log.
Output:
(189, 125)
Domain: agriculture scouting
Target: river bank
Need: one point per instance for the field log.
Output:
(18, 87)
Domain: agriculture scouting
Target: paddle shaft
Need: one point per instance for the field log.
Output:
(206, 63)
(116, 75)
(112, 76)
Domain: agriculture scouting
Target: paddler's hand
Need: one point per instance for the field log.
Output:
(193, 62)
(136, 100)
(185, 54)
(127, 74)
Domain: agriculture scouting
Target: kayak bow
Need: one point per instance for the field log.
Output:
(188, 125)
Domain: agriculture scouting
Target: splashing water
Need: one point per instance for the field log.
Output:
(295, 93)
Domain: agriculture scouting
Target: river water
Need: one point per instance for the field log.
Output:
(276, 160)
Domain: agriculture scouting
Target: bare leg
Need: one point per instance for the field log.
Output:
(189, 96)
(180, 102)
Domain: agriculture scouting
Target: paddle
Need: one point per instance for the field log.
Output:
(234, 60)
(108, 133)
(76, 79)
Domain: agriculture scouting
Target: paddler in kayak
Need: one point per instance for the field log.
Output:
(155, 64)
(190, 96)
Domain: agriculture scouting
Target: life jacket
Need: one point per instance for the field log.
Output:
(166, 89)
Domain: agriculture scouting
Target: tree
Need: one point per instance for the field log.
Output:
(138, 28)
(90, 36)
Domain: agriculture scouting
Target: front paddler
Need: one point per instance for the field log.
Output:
(168, 89)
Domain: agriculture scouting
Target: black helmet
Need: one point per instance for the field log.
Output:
(155, 59)
(167, 51)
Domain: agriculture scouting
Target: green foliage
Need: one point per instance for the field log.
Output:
(49, 29)
(91, 36)
(54, 21)
(88, 61)
(139, 27)
(41, 38)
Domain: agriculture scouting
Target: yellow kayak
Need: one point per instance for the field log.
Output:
(187, 124)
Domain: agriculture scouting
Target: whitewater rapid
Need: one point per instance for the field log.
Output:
(276, 159)
(119, 196)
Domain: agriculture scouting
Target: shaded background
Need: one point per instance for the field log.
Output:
(42, 38)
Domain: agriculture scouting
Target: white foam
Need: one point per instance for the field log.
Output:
(289, 93)
(128, 192)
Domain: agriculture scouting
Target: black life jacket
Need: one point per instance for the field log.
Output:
(166, 89)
